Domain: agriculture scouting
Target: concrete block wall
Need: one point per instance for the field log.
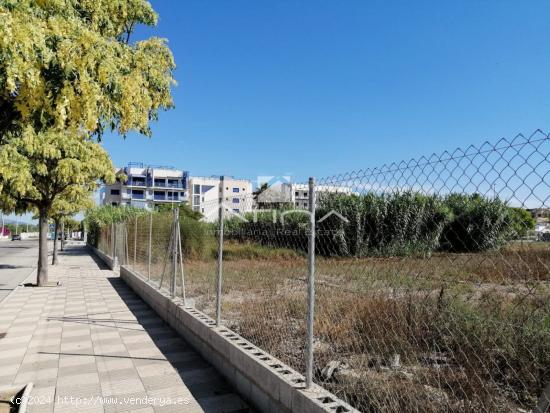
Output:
(107, 259)
(261, 379)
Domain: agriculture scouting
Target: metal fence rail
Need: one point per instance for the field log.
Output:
(416, 286)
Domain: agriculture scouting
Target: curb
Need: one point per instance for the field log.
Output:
(32, 274)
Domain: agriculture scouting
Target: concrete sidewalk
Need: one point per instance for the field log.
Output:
(92, 345)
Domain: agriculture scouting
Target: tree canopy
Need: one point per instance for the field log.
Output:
(51, 173)
(69, 65)
(50, 169)
(69, 72)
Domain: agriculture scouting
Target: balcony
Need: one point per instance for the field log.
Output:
(132, 182)
(138, 204)
(162, 184)
(138, 196)
(167, 198)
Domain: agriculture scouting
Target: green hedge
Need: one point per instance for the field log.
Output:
(390, 224)
(100, 216)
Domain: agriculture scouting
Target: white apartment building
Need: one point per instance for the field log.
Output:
(295, 194)
(147, 186)
(204, 193)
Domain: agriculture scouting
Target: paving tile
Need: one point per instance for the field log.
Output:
(106, 364)
(27, 365)
(44, 377)
(117, 387)
(87, 340)
(72, 378)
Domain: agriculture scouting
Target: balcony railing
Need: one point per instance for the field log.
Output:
(166, 198)
(136, 183)
(168, 185)
(138, 196)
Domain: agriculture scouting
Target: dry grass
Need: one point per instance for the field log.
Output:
(472, 331)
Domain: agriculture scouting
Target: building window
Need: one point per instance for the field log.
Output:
(236, 190)
(196, 199)
(196, 189)
(236, 210)
(235, 200)
(297, 193)
(138, 194)
(114, 203)
(115, 191)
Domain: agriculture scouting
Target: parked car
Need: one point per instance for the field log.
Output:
(16, 237)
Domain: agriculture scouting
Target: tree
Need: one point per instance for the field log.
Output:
(522, 222)
(68, 72)
(65, 207)
(42, 171)
(69, 65)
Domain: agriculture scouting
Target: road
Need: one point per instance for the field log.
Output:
(17, 260)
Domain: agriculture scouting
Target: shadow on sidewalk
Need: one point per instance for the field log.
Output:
(207, 386)
(210, 384)
(82, 251)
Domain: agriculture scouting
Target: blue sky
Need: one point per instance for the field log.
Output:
(322, 87)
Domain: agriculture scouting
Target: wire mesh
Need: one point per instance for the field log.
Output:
(265, 269)
(432, 276)
(105, 240)
(430, 296)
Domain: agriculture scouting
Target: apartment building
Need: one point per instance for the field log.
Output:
(294, 194)
(204, 195)
(147, 186)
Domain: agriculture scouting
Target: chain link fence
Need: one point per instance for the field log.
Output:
(431, 277)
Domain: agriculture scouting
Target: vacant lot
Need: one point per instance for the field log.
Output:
(449, 332)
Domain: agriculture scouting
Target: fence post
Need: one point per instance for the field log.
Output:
(113, 242)
(181, 263)
(221, 213)
(135, 239)
(175, 235)
(310, 284)
(149, 246)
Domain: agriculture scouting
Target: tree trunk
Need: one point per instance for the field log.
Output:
(56, 233)
(62, 236)
(42, 272)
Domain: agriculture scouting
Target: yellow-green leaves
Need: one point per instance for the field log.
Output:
(51, 170)
(66, 64)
